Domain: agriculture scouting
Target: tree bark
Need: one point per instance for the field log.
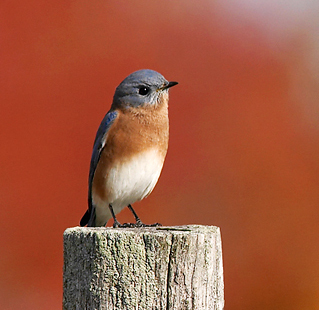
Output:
(143, 268)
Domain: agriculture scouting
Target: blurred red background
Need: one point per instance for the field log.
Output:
(244, 135)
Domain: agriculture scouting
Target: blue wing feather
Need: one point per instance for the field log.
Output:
(99, 141)
(99, 144)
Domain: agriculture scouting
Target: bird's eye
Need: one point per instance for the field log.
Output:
(143, 90)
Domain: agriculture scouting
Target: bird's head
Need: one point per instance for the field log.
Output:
(141, 89)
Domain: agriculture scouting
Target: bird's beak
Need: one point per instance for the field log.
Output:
(168, 85)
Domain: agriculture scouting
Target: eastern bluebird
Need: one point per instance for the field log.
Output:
(129, 148)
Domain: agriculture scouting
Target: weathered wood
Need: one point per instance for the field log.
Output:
(143, 268)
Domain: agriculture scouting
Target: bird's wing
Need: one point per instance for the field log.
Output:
(99, 144)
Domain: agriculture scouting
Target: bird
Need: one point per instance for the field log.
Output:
(129, 149)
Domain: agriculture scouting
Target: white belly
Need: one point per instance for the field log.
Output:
(129, 182)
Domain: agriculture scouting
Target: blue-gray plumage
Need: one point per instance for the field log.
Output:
(130, 91)
(98, 146)
(135, 127)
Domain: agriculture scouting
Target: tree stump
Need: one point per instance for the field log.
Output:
(176, 267)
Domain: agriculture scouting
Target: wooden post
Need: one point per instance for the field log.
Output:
(143, 268)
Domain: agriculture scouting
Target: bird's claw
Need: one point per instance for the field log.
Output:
(138, 224)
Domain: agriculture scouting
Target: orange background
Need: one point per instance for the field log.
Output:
(244, 135)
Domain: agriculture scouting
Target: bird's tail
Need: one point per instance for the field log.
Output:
(85, 218)
(89, 216)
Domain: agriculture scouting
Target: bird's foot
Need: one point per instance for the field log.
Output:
(138, 224)
(124, 225)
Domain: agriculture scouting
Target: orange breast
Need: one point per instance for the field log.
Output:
(135, 130)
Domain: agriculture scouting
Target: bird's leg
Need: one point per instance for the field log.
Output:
(139, 223)
(137, 219)
(116, 222)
